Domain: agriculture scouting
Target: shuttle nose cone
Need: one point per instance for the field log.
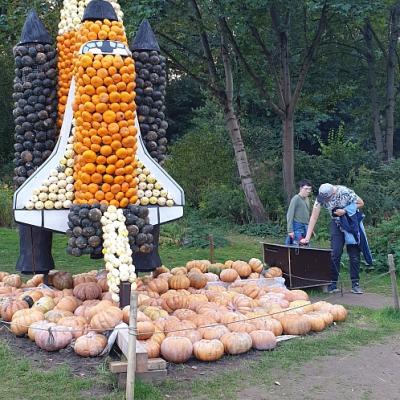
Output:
(34, 30)
(145, 38)
(98, 10)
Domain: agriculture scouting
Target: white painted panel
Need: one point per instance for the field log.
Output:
(30, 217)
(56, 220)
(170, 213)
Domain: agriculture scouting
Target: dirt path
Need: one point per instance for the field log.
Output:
(369, 300)
(370, 373)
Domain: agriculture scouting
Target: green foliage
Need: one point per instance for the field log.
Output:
(6, 213)
(203, 158)
(264, 230)
(384, 239)
(225, 202)
(193, 231)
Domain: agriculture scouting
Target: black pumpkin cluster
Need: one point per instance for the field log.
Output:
(150, 101)
(85, 233)
(35, 107)
(140, 231)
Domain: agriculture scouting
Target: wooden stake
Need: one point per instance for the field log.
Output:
(392, 271)
(130, 374)
(212, 247)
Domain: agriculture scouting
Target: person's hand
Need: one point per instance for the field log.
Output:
(304, 241)
(339, 212)
(291, 235)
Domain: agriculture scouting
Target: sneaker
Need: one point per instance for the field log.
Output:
(356, 289)
(332, 288)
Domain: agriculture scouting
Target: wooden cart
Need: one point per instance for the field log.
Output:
(302, 267)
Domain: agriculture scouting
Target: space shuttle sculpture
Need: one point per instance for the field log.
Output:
(103, 184)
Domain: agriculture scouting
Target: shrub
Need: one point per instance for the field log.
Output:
(226, 203)
(203, 158)
(6, 209)
(384, 240)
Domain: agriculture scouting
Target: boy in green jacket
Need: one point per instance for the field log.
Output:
(298, 213)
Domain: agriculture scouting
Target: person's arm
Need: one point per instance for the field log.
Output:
(290, 215)
(313, 221)
(341, 211)
(360, 202)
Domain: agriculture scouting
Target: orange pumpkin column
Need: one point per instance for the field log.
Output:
(104, 110)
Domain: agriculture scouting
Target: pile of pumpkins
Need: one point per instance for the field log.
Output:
(179, 315)
(77, 311)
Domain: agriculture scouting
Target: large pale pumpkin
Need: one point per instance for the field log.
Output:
(263, 340)
(152, 347)
(197, 280)
(236, 342)
(176, 349)
(318, 323)
(68, 303)
(53, 339)
(145, 330)
(76, 324)
(295, 324)
(228, 275)
(158, 285)
(208, 350)
(214, 332)
(339, 313)
(273, 272)
(179, 282)
(242, 268)
(107, 319)
(268, 324)
(38, 326)
(9, 308)
(90, 345)
(256, 265)
(22, 319)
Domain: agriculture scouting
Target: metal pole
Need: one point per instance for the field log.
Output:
(130, 374)
(392, 271)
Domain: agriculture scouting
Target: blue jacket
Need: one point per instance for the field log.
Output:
(354, 232)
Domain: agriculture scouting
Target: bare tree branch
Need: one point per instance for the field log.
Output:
(217, 92)
(180, 45)
(259, 84)
(308, 58)
(204, 41)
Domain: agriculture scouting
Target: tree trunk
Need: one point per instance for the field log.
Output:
(253, 200)
(367, 33)
(288, 155)
(390, 89)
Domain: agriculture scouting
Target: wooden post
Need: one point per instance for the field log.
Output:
(130, 374)
(211, 239)
(392, 271)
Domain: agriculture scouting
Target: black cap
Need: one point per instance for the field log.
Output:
(145, 38)
(98, 10)
(34, 31)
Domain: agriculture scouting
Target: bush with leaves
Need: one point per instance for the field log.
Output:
(384, 239)
(203, 158)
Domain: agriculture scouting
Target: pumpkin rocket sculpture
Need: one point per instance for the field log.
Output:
(88, 187)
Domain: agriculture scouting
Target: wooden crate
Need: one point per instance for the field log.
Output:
(302, 267)
(150, 370)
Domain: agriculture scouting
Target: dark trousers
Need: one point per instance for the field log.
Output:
(353, 250)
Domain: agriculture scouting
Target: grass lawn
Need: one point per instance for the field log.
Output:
(20, 380)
